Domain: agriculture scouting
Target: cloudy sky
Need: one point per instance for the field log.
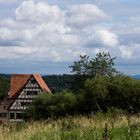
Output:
(46, 36)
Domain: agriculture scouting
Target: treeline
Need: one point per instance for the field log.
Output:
(4, 86)
(98, 94)
(97, 86)
(56, 83)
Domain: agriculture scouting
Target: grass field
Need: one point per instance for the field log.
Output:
(94, 127)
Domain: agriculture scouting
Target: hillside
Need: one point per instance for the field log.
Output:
(56, 83)
(4, 86)
(136, 76)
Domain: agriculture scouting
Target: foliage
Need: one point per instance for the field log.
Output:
(95, 87)
(81, 67)
(124, 93)
(95, 93)
(4, 87)
(56, 105)
(99, 94)
(101, 65)
(57, 83)
(102, 93)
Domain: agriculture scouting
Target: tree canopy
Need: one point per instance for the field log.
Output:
(101, 65)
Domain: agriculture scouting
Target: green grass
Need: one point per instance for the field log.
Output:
(75, 128)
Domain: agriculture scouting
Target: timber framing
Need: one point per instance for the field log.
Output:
(23, 89)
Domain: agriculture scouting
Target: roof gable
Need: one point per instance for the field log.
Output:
(18, 81)
(41, 83)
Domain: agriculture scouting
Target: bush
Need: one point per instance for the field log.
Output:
(101, 93)
(98, 95)
(56, 105)
(124, 93)
(95, 94)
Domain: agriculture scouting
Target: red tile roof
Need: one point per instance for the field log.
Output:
(41, 83)
(18, 81)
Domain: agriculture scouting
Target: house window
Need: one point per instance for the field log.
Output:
(19, 116)
(4, 115)
(29, 92)
(35, 92)
(32, 92)
(12, 115)
(23, 104)
(0, 115)
(33, 81)
(4, 107)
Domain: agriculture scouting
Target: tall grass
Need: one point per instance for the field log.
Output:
(91, 127)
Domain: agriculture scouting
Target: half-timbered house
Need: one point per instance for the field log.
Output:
(23, 89)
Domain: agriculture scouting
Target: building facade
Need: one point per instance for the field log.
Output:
(23, 89)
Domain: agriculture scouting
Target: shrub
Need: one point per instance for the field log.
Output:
(95, 93)
(98, 95)
(56, 105)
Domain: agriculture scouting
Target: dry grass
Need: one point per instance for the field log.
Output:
(75, 128)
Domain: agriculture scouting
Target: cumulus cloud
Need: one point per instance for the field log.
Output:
(126, 52)
(135, 18)
(85, 15)
(103, 38)
(130, 51)
(44, 31)
(15, 52)
(40, 31)
(15, 35)
(29, 11)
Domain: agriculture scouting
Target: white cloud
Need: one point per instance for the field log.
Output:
(43, 27)
(126, 52)
(135, 18)
(40, 31)
(47, 32)
(103, 38)
(85, 14)
(125, 29)
(5, 34)
(9, 22)
(29, 11)
(18, 35)
(130, 51)
(15, 52)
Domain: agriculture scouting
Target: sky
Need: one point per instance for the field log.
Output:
(46, 36)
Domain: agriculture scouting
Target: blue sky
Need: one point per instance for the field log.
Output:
(46, 36)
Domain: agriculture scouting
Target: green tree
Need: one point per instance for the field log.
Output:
(81, 67)
(101, 65)
(54, 105)
(124, 93)
(95, 94)
(4, 87)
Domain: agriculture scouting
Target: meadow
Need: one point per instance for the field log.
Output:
(93, 127)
